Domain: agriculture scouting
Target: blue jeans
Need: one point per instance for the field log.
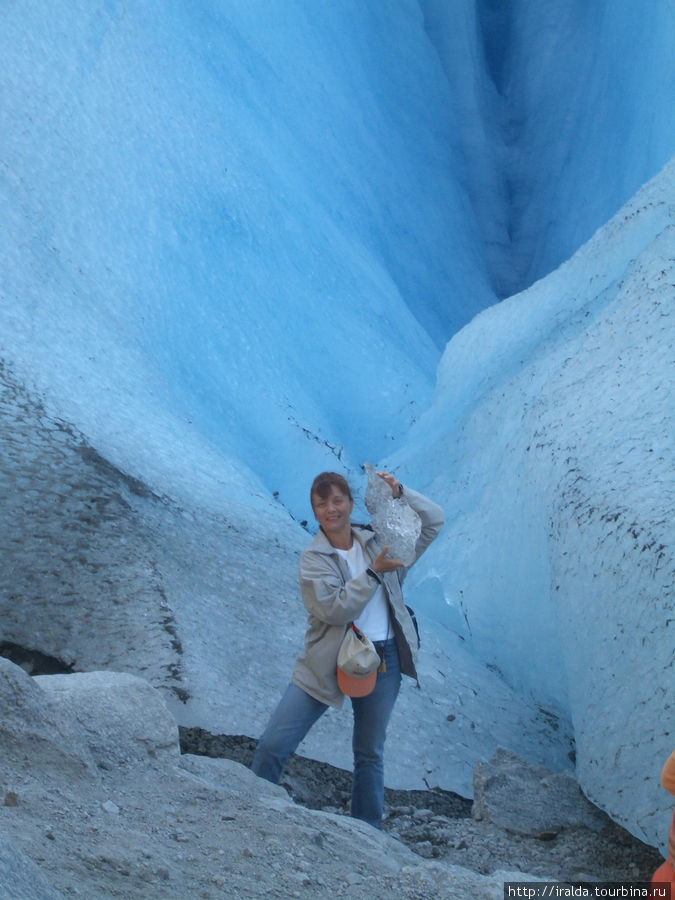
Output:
(297, 712)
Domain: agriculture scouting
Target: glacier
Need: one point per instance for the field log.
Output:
(228, 218)
(564, 111)
(551, 439)
(253, 241)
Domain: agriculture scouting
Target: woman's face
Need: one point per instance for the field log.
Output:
(332, 512)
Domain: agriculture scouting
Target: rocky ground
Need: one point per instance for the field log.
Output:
(439, 824)
(97, 802)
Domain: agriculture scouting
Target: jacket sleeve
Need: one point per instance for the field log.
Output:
(326, 595)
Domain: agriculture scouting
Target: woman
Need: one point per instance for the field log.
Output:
(346, 576)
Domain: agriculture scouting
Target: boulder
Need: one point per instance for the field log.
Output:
(124, 719)
(529, 799)
(36, 735)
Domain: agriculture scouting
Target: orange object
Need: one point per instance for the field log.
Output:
(668, 774)
(665, 874)
(666, 871)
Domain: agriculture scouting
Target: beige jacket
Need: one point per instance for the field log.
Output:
(333, 599)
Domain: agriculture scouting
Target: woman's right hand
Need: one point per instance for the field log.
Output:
(382, 563)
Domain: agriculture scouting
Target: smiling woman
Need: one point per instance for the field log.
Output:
(332, 504)
(347, 579)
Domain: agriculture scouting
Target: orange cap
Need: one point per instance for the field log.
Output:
(356, 687)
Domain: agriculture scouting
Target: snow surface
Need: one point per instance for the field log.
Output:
(234, 244)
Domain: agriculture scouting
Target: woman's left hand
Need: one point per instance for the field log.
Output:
(382, 563)
(393, 483)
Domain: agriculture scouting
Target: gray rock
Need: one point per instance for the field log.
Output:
(529, 799)
(35, 732)
(124, 719)
(396, 524)
(424, 849)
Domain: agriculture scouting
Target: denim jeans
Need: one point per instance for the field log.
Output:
(297, 712)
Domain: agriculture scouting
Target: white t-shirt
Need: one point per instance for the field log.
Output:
(374, 620)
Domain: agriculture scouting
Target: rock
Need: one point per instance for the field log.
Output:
(530, 799)
(124, 719)
(422, 815)
(424, 849)
(35, 732)
(397, 525)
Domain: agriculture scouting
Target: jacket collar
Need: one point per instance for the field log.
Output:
(363, 533)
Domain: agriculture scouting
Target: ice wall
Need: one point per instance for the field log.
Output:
(550, 446)
(252, 227)
(593, 110)
(238, 224)
(565, 109)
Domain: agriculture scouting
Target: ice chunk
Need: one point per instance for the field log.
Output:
(396, 524)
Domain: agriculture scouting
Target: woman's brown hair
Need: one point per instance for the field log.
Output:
(324, 482)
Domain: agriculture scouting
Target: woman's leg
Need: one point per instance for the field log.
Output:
(371, 716)
(290, 722)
